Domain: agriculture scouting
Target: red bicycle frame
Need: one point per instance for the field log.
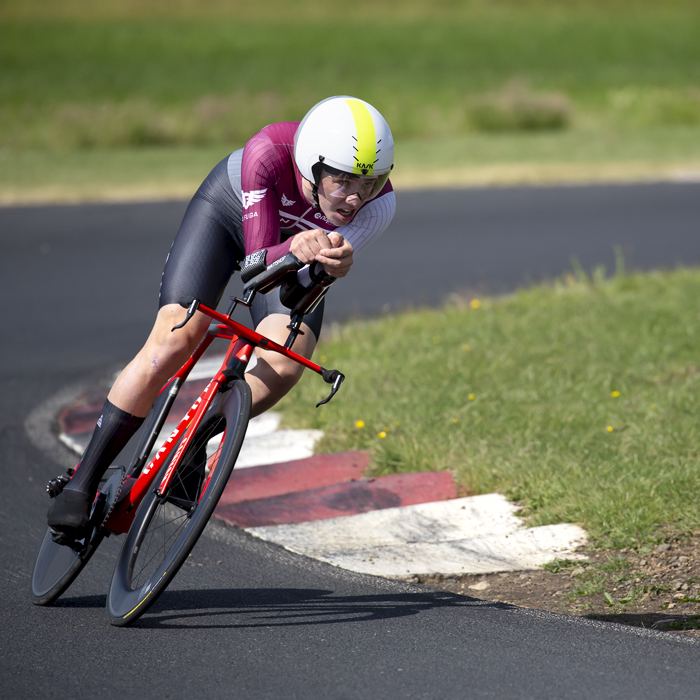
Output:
(243, 341)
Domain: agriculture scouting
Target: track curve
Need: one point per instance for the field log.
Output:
(245, 618)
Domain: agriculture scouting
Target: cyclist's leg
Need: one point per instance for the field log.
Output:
(274, 375)
(201, 261)
(70, 511)
(139, 383)
(124, 411)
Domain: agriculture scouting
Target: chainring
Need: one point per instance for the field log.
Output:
(110, 491)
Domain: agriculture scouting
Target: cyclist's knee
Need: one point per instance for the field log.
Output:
(166, 347)
(279, 374)
(286, 375)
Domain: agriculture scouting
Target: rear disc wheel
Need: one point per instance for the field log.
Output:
(57, 565)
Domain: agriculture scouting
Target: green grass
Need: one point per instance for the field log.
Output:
(654, 144)
(619, 585)
(520, 396)
(556, 566)
(98, 174)
(308, 10)
(128, 97)
(101, 79)
(478, 158)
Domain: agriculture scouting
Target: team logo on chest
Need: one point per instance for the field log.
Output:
(252, 197)
(286, 202)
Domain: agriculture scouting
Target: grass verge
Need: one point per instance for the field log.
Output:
(593, 155)
(34, 177)
(134, 100)
(579, 400)
(95, 79)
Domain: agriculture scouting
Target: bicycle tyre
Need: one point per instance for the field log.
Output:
(145, 567)
(57, 566)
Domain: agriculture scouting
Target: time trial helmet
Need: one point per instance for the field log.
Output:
(347, 135)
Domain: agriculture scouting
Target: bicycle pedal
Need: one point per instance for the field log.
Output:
(55, 486)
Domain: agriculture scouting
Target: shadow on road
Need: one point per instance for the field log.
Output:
(665, 622)
(280, 607)
(290, 607)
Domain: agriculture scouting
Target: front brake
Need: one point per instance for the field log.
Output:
(334, 377)
(191, 304)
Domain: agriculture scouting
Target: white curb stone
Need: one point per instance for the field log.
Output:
(263, 444)
(78, 445)
(479, 534)
(280, 446)
(490, 514)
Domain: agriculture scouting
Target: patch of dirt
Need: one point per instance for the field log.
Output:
(658, 589)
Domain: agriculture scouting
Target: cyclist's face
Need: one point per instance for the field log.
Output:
(340, 196)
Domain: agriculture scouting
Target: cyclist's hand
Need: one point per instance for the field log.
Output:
(308, 244)
(330, 249)
(337, 259)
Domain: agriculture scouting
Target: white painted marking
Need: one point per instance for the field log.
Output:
(523, 549)
(479, 534)
(442, 521)
(685, 176)
(266, 424)
(281, 446)
(77, 443)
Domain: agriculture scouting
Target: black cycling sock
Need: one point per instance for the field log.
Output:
(113, 430)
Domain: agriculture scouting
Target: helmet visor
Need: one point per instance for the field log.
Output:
(340, 185)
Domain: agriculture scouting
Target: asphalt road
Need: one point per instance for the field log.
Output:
(244, 618)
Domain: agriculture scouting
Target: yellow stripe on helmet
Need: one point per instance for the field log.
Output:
(366, 154)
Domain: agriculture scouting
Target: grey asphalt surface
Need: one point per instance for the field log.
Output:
(244, 618)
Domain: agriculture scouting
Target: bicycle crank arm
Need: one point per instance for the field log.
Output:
(334, 377)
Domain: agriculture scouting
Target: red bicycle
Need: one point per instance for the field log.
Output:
(163, 503)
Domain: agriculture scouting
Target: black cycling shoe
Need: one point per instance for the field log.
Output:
(69, 516)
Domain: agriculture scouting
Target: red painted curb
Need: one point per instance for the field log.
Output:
(341, 499)
(79, 417)
(271, 480)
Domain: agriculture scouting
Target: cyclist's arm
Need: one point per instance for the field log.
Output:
(260, 172)
(372, 220)
(369, 222)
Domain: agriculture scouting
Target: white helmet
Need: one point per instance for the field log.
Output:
(345, 134)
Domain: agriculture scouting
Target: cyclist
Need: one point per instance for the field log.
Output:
(293, 188)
